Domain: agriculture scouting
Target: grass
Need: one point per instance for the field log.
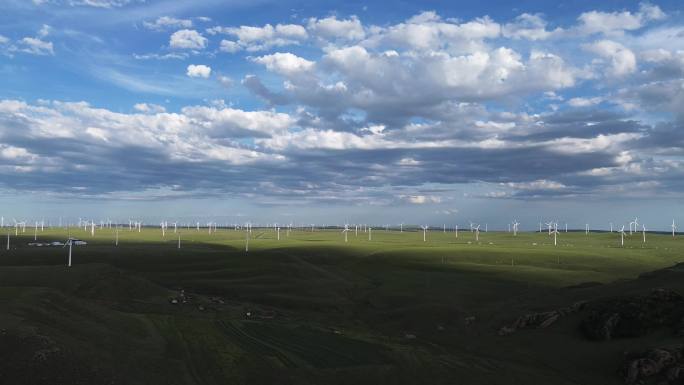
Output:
(343, 311)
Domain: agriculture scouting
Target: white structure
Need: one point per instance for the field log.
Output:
(424, 232)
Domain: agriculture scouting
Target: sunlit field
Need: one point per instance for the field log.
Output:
(310, 306)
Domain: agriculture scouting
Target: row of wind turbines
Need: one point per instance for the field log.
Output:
(91, 226)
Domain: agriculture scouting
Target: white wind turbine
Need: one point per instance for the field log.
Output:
(70, 243)
(674, 228)
(370, 231)
(247, 241)
(477, 233)
(586, 229)
(425, 227)
(622, 236)
(345, 231)
(635, 223)
(515, 227)
(456, 231)
(179, 240)
(278, 232)
(555, 235)
(549, 225)
(116, 242)
(643, 231)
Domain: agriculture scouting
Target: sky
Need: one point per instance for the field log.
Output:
(384, 112)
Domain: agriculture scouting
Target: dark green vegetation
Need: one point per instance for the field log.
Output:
(392, 310)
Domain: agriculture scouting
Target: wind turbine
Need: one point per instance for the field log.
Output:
(370, 230)
(515, 227)
(477, 233)
(345, 231)
(674, 228)
(247, 241)
(643, 232)
(8, 236)
(555, 235)
(425, 227)
(116, 243)
(549, 225)
(179, 240)
(635, 223)
(586, 229)
(456, 230)
(278, 231)
(622, 236)
(69, 242)
(611, 227)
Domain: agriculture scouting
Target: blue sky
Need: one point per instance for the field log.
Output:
(326, 111)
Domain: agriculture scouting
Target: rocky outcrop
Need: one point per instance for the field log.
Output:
(540, 320)
(633, 316)
(659, 365)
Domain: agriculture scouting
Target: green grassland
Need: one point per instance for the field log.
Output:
(391, 310)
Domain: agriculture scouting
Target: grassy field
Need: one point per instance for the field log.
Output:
(322, 311)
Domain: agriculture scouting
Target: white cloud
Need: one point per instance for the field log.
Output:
(530, 27)
(226, 81)
(4, 39)
(44, 31)
(615, 23)
(421, 199)
(229, 46)
(166, 22)
(285, 63)
(584, 102)
(102, 3)
(332, 28)
(260, 38)
(622, 59)
(36, 46)
(198, 71)
(541, 184)
(188, 39)
(148, 108)
(428, 32)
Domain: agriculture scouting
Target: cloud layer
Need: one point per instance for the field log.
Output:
(412, 112)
